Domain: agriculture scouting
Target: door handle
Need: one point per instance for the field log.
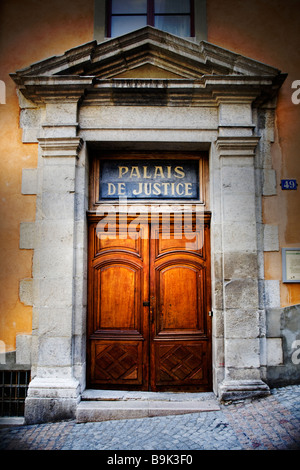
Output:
(150, 304)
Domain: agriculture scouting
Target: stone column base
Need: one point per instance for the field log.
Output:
(51, 400)
(231, 390)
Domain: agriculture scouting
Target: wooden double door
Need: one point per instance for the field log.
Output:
(149, 323)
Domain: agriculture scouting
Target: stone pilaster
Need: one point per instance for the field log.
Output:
(54, 392)
(239, 275)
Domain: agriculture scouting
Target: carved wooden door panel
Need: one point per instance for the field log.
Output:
(180, 296)
(148, 305)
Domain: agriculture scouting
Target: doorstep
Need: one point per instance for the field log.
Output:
(104, 405)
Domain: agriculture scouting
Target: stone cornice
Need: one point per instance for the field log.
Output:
(206, 91)
(43, 89)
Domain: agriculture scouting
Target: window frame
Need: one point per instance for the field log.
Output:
(150, 16)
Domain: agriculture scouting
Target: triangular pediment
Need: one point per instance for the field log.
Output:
(147, 53)
(151, 47)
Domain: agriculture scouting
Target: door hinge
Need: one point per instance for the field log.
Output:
(146, 304)
(210, 313)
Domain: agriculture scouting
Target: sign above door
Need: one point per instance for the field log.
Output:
(149, 179)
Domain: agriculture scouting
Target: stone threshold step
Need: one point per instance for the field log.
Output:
(120, 395)
(92, 411)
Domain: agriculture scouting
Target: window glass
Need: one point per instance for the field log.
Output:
(125, 24)
(127, 7)
(178, 25)
(171, 6)
(172, 16)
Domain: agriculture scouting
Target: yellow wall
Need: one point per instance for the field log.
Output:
(32, 30)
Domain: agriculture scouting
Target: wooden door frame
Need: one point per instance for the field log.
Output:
(148, 328)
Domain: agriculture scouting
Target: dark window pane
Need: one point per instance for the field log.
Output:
(125, 24)
(178, 25)
(172, 6)
(128, 6)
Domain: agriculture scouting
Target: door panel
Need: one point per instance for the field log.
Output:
(181, 364)
(178, 293)
(119, 311)
(117, 362)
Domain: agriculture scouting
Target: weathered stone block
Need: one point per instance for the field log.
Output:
(59, 179)
(29, 181)
(238, 180)
(23, 349)
(54, 262)
(235, 114)
(27, 235)
(241, 324)
(55, 321)
(271, 238)
(274, 351)
(272, 293)
(26, 291)
(242, 389)
(273, 322)
(242, 353)
(58, 206)
(55, 352)
(240, 265)
(269, 184)
(241, 293)
(56, 292)
(241, 208)
(239, 237)
(43, 410)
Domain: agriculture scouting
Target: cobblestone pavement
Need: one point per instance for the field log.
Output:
(270, 423)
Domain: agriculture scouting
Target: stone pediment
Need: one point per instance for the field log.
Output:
(148, 55)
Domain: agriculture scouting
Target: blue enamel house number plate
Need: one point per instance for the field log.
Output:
(289, 184)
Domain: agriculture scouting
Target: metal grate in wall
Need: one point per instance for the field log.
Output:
(13, 391)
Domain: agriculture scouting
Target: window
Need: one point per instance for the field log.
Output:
(172, 16)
